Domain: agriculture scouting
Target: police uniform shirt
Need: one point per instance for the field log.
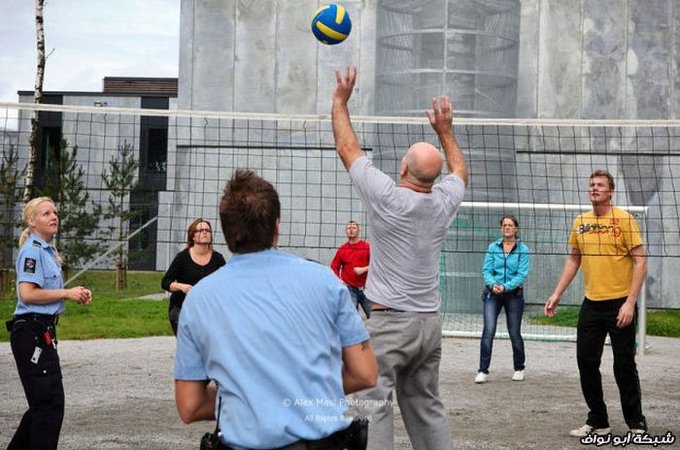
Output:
(270, 327)
(37, 264)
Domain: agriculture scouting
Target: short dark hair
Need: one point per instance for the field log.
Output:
(604, 173)
(249, 210)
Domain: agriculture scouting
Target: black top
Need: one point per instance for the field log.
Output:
(184, 270)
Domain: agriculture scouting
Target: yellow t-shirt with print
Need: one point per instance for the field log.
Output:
(605, 243)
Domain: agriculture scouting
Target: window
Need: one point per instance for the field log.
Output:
(157, 150)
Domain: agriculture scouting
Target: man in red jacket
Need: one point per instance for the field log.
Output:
(350, 264)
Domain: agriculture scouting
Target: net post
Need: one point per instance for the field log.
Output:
(642, 321)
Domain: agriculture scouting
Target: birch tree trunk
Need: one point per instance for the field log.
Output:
(37, 95)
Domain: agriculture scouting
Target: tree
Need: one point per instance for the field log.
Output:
(10, 196)
(64, 183)
(121, 180)
(37, 96)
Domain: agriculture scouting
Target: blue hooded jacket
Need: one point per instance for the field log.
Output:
(508, 270)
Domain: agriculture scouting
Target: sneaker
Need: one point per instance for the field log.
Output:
(480, 378)
(635, 431)
(518, 375)
(586, 429)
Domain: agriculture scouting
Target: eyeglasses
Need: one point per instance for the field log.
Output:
(202, 230)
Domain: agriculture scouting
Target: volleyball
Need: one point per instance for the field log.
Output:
(331, 24)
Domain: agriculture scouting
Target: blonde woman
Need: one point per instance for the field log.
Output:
(33, 330)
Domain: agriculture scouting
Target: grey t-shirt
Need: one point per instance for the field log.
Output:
(408, 231)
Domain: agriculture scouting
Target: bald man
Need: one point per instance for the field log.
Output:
(409, 222)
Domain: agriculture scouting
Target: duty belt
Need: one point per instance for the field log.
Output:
(47, 320)
(44, 326)
(352, 438)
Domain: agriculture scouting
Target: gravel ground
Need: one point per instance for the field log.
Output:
(119, 395)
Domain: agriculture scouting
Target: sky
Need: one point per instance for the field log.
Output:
(87, 40)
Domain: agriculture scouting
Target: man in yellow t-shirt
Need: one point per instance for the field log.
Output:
(606, 243)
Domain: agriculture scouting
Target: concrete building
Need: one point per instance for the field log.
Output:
(99, 137)
(571, 59)
(578, 59)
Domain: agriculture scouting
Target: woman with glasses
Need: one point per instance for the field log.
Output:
(196, 261)
(506, 266)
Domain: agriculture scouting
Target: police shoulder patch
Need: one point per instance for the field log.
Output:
(29, 265)
(37, 244)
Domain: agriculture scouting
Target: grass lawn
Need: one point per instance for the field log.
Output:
(660, 322)
(123, 315)
(111, 314)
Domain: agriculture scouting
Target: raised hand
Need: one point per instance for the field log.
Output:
(441, 116)
(345, 86)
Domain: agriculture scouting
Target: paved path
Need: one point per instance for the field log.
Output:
(119, 395)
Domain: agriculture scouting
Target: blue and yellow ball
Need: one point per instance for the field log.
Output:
(331, 24)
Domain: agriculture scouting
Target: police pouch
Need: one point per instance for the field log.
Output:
(357, 434)
(210, 441)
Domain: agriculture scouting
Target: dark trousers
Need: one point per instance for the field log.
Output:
(359, 299)
(41, 379)
(173, 316)
(596, 319)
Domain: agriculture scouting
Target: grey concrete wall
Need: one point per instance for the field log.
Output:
(261, 56)
(597, 59)
(580, 59)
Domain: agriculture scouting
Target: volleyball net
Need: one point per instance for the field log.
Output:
(537, 170)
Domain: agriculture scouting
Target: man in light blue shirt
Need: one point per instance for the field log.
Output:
(277, 333)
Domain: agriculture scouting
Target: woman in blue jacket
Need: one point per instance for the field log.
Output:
(506, 266)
